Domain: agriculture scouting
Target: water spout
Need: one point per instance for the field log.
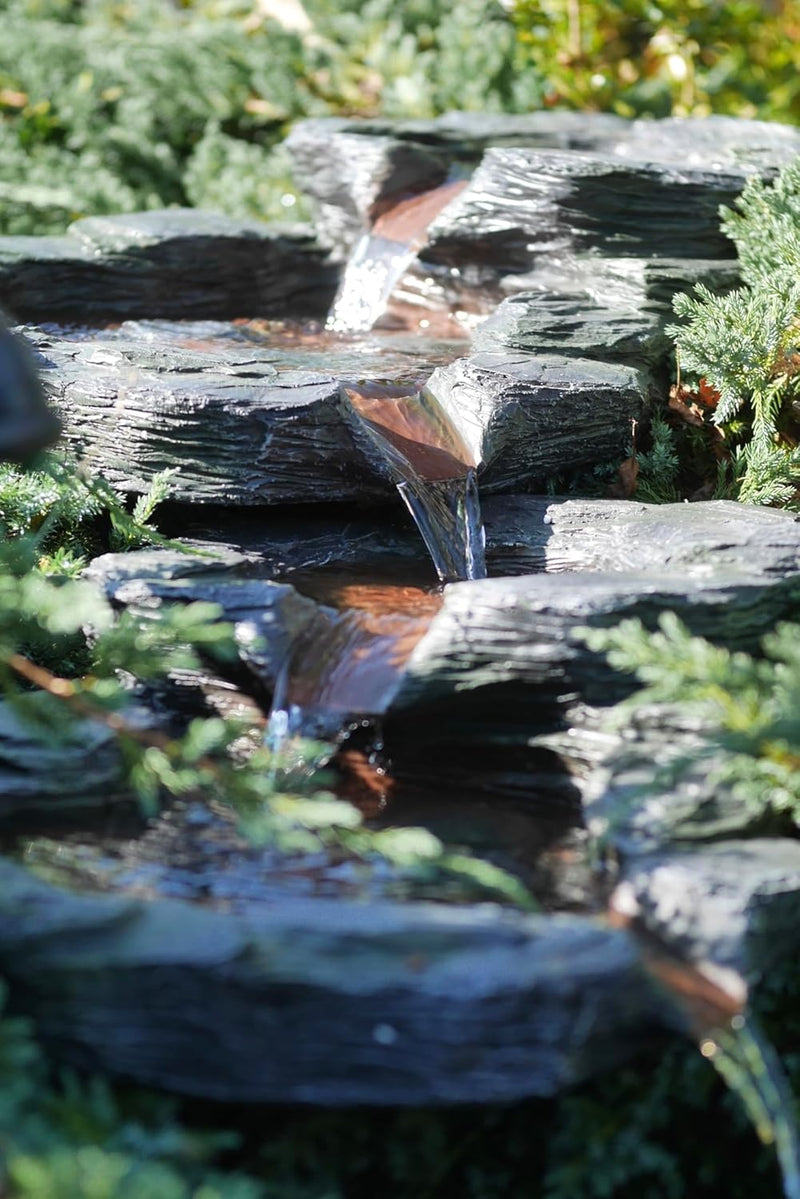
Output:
(434, 471)
(382, 256)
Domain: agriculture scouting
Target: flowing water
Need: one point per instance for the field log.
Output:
(752, 1069)
(344, 672)
(712, 1001)
(434, 470)
(350, 665)
(382, 256)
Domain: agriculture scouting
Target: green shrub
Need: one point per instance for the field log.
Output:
(746, 345)
(660, 57)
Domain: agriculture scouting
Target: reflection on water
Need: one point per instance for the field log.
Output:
(382, 256)
(393, 355)
(345, 669)
(434, 469)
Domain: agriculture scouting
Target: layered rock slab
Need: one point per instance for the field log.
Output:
(473, 1003)
(177, 263)
(395, 158)
(321, 1001)
(242, 432)
(728, 571)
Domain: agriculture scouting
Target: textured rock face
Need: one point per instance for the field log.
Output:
(322, 1001)
(70, 774)
(237, 430)
(240, 431)
(657, 184)
(266, 616)
(243, 974)
(543, 324)
(178, 263)
(729, 572)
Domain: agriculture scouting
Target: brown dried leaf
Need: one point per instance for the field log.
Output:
(625, 486)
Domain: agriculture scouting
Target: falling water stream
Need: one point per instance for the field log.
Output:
(713, 1003)
(383, 255)
(347, 669)
(349, 665)
(752, 1069)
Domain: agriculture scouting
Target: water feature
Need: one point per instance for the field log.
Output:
(713, 1004)
(383, 255)
(752, 1069)
(434, 470)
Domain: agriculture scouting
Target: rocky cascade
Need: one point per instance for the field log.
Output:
(175, 952)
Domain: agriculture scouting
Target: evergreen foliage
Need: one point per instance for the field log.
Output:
(141, 105)
(745, 346)
(747, 706)
(658, 57)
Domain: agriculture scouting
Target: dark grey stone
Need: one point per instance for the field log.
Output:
(734, 903)
(26, 424)
(240, 431)
(528, 533)
(177, 263)
(528, 416)
(325, 1001)
(73, 771)
(541, 323)
(236, 430)
(349, 175)
(646, 284)
(504, 658)
(599, 181)
(525, 204)
(267, 617)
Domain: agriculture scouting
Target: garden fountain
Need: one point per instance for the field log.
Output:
(289, 455)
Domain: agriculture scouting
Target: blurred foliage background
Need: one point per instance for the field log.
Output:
(112, 105)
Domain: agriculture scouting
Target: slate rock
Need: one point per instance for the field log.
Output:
(349, 176)
(655, 182)
(323, 1001)
(523, 204)
(267, 617)
(236, 430)
(177, 263)
(735, 902)
(241, 432)
(527, 417)
(648, 284)
(504, 658)
(26, 423)
(299, 999)
(72, 772)
(527, 533)
(541, 323)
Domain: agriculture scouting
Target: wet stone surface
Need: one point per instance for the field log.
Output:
(177, 953)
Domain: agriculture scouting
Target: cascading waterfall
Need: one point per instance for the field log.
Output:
(346, 667)
(712, 1001)
(434, 470)
(752, 1069)
(382, 256)
(343, 671)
